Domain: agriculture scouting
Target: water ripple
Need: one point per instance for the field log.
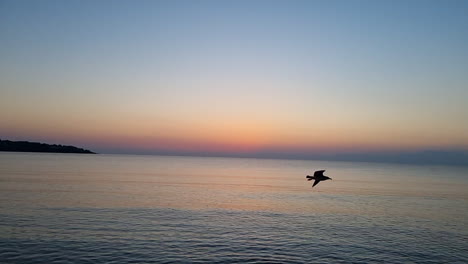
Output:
(220, 236)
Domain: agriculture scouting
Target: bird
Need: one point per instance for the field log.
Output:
(318, 176)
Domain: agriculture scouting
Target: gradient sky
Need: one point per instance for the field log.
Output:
(235, 76)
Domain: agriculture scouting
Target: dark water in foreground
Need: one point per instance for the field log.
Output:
(145, 209)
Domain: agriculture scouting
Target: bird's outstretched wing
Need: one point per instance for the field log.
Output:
(319, 173)
(315, 182)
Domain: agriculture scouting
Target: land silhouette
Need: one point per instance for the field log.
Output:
(26, 146)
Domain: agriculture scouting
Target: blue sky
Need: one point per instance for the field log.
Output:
(236, 77)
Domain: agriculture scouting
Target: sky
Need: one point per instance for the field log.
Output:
(247, 78)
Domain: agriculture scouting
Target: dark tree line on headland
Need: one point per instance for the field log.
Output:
(26, 146)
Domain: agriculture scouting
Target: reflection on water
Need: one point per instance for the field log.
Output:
(222, 209)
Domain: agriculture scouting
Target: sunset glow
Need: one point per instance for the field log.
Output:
(235, 78)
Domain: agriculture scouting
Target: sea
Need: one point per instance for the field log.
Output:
(78, 208)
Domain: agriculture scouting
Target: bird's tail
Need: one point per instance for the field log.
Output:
(309, 178)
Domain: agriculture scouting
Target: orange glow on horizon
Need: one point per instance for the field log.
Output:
(230, 135)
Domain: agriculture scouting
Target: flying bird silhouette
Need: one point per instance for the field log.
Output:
(318, 176)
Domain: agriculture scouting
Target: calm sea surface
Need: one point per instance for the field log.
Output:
(66, 208)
